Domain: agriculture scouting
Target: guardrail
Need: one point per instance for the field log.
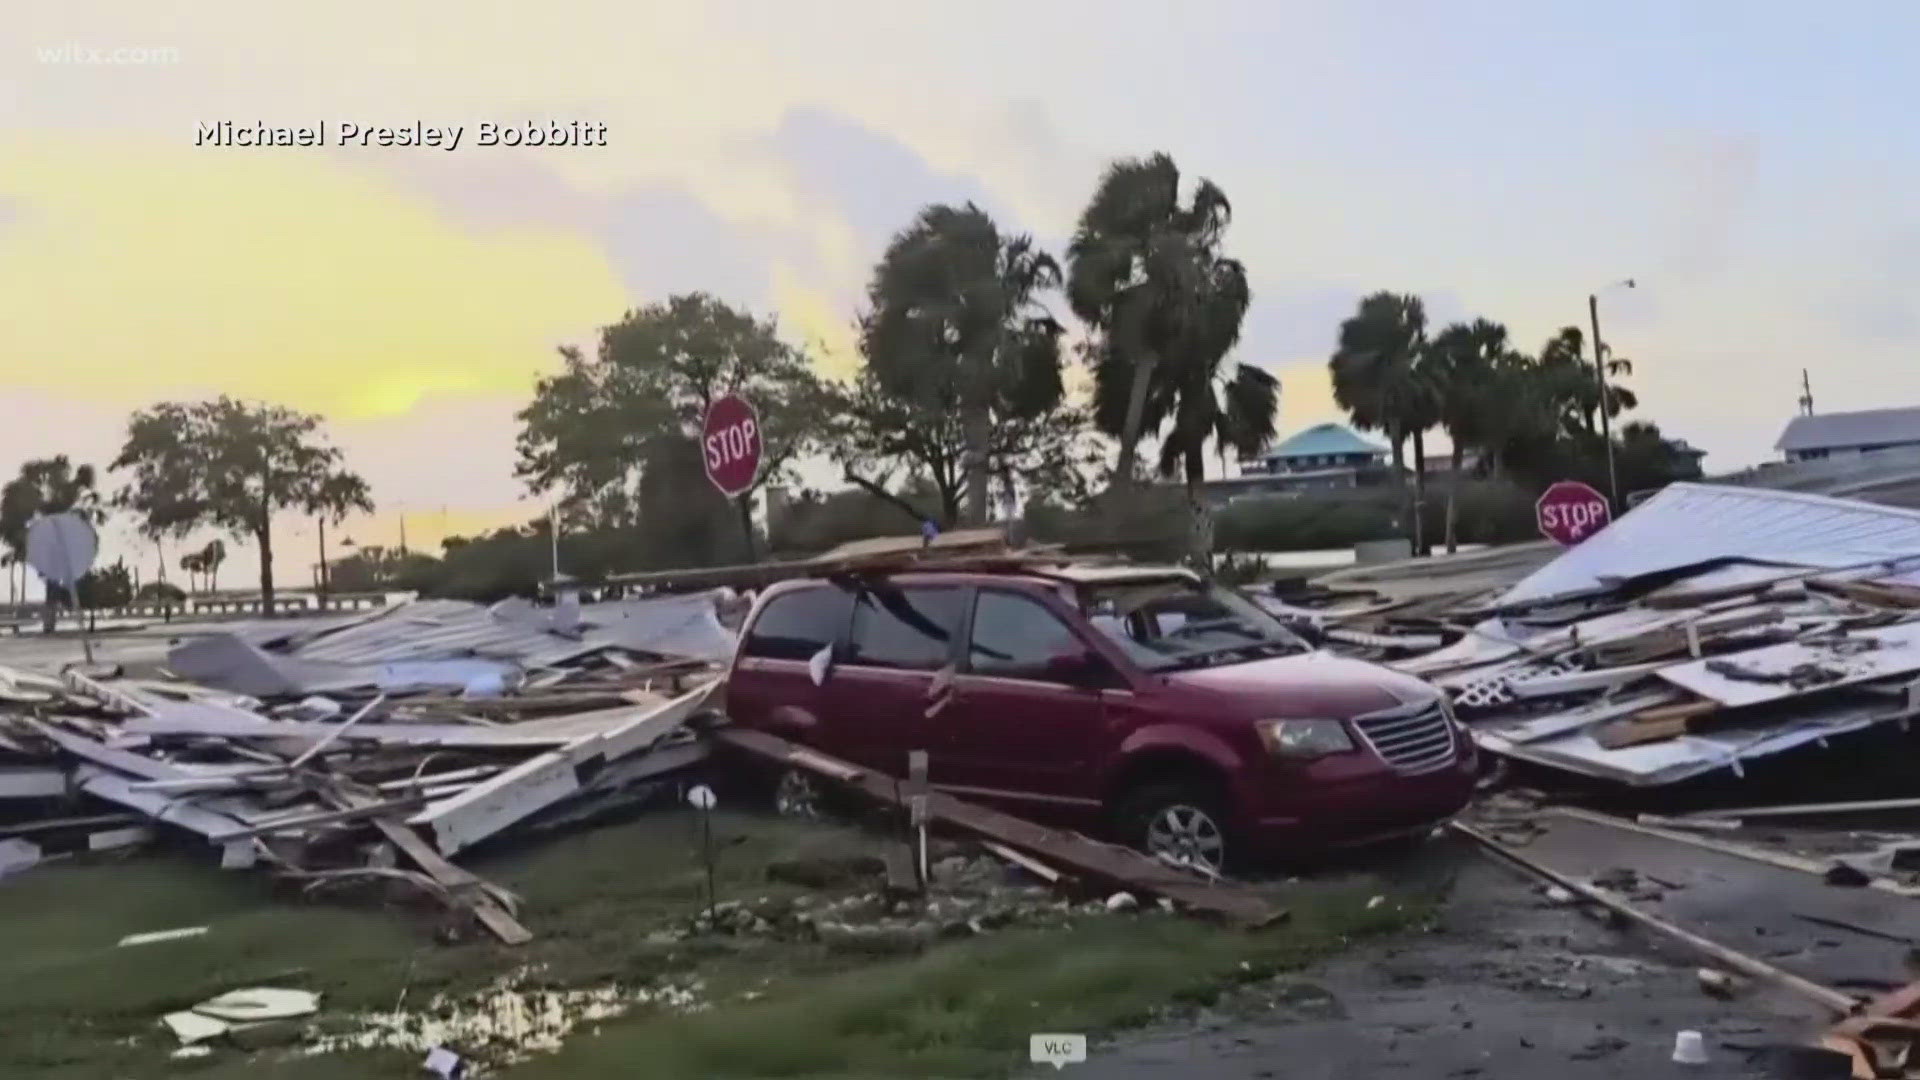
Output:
(197, 606)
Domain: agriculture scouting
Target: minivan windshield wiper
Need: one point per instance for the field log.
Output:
(1227, 654)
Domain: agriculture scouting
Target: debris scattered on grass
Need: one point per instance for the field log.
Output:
(162, 935)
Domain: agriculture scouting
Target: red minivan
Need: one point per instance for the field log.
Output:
(1142, 702)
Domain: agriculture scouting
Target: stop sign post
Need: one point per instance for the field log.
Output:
(730, 445)
(1570, 511)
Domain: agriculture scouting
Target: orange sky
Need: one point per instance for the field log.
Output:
(765, 151)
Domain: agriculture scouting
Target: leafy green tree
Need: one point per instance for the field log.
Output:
(592, 428)
(1050, 450)
(956, 322)
(231, 465)
(161, 592)
(1146, 273)
(1380, 380)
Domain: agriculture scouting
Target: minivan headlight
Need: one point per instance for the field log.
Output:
(1304, 738)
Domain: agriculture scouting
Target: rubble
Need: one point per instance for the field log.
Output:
(362, 752)
(1659, 650)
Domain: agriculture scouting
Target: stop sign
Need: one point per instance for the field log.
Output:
(730, 443)
(1570, 511)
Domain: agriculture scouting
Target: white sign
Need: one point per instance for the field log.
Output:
(1058, 1051)
(61, 548)
(702, 797)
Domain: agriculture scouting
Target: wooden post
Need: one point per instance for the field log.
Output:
(917, 813)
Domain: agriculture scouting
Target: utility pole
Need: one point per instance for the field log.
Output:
(403, 534)
(322, 579)
(1806, 394)
(1600, 379)
(553, 535)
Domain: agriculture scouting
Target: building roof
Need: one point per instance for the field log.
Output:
(1785, 528)
(1324, 439)
(1871, 427)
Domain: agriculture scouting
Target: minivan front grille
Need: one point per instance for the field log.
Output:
(1416, 742)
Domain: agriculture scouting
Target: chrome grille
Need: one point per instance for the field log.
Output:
(1412, 742)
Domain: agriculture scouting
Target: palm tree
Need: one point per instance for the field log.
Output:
(1381, 379)
(194, 564)
(1471, 367)
(955, 312)
(211, 557)
(1146, 273)
(1572, 384)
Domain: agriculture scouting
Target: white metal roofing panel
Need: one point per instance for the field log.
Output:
(1695, 753)
(1690, 524)
(1869, 427)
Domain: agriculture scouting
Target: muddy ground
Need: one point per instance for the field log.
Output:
(1505, 984)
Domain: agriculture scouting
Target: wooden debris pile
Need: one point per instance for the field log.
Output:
(1658, 681)
(411, 755)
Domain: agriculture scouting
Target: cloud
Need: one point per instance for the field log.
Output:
(286, 277)
(874, 182)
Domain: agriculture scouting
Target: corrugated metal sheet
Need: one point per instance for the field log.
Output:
(1696, 753)
(452, 629)
(1691, 524)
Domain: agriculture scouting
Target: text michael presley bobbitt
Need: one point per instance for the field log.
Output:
(224, 133)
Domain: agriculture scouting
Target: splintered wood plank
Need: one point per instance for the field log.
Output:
(1090, 858)
(463, 886)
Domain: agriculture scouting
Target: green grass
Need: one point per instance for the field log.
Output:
(72, 1004)
(966, 1009)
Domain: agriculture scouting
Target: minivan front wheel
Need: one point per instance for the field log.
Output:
(1177, 823)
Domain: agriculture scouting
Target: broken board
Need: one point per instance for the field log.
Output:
(1864, 656)
(1105, 862)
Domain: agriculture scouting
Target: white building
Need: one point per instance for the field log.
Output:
(1849, 434)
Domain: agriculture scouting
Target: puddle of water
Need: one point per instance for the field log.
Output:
(504, 1023)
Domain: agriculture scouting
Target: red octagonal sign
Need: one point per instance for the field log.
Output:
(1570, 511)
(730, 443)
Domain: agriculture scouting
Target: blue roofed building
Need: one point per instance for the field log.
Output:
(1320, 448)
(1323, 457)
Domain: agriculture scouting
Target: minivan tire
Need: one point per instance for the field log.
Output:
(1180, 817)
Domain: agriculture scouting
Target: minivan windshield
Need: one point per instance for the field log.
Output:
(1182, 623)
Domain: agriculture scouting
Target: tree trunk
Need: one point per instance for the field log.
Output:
(264, 534)
(1453, 497)
(1136, 415)
(979, 431)
(745, 505)
(1199, 514)
(1419, 494)
(1398, 446)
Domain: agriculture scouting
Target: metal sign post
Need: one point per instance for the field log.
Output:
(61, 549)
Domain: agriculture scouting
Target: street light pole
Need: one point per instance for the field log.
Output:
(1600, 381)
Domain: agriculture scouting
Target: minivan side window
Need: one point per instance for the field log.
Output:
(797, 625)
(1014, 637)
(910, 629)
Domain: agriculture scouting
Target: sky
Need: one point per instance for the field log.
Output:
(1751, 165)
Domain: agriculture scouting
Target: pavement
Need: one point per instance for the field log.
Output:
(136, 645)
(1507, 984)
